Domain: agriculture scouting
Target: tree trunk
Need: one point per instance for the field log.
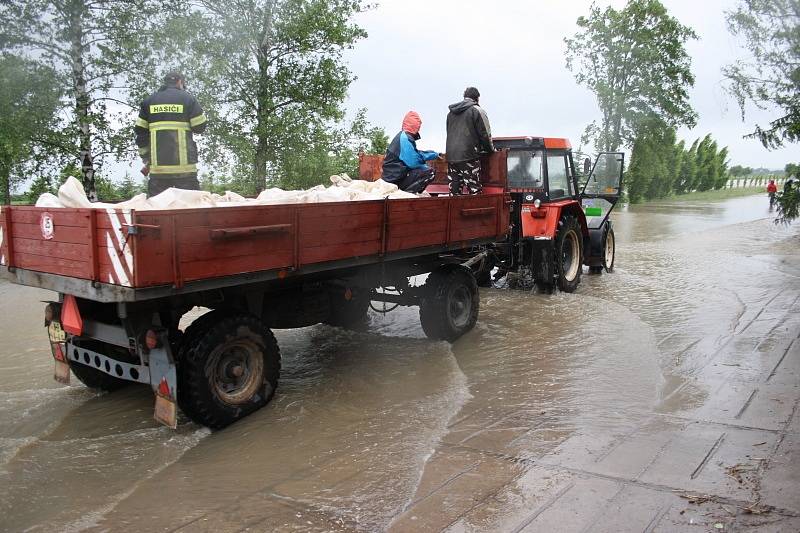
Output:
(82, 100)
(5, 181)
(260, 164)
(262, 132)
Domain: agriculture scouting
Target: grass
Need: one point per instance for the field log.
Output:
(722, 194)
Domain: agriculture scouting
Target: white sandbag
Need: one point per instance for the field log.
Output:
(48, 200)
(174, 198)
(71, 194)
(137, 202)
(343, 189)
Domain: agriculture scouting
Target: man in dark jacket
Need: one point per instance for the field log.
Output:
(468, 136)
(404, 165)
(167, 121)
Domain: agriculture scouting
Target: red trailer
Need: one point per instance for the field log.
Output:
(126, 278)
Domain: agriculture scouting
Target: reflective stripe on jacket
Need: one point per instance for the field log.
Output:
(164, 131)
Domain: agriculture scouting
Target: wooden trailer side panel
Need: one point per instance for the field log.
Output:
(57, 241)
(341, 230)
(173, 247)
(416, 223)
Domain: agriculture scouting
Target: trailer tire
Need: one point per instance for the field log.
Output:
(450, 303)
(568, 254)
(229, 371)
(95, 379)
(349, 313)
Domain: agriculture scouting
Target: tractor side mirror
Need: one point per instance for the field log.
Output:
(587, 165)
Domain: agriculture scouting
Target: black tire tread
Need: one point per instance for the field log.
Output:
(432, 309)
(567, 223)
(193, 382)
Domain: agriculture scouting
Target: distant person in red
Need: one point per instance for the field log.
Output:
(404, 165)
(771, 190)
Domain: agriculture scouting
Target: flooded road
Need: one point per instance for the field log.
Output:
(598, 410)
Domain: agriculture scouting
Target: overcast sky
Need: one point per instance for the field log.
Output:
(422, 54)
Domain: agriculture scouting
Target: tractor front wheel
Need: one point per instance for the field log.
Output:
(568, 254)
(609, 250)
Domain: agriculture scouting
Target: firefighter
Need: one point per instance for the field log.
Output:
(167, 121)
(468, 136)
(404, 165)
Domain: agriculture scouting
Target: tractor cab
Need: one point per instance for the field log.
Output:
(560, 218)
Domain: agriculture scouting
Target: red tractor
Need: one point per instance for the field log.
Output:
(559, 223)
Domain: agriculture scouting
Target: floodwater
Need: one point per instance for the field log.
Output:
(347, 441)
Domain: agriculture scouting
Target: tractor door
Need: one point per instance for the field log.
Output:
(602, 188)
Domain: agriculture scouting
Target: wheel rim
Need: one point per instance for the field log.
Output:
(460, 306)
(237, 371)
(610, 249)
(570, 262)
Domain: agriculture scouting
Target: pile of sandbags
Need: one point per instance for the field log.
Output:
(344, 189)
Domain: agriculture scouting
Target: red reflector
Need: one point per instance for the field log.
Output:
(151, 339)
(71, 320)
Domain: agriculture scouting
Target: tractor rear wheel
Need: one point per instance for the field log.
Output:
(450, 303)
(230, 370)
(568, 254)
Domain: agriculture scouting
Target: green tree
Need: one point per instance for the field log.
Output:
(688, 172)
(272, 77)
(738, 171)
(28, 106)
(771, 78)
(91, 45)
(40, 185)
(378, 141)
(635, 62)
(721, 168)
(129, 188)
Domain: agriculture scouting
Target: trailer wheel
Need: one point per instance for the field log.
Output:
(229, 371)
(609, 250)
(349, 313)
(95, 379)
(450, 303)
(568, 254)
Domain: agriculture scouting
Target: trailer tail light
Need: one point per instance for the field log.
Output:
(151, 340)
(71, 320)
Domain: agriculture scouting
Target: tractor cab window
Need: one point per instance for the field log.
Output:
(558, 177)
(525, 169)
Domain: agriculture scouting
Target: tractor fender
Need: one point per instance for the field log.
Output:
(593, 254)
(541, 223)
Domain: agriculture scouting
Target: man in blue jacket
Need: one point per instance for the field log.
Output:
(404, 165)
